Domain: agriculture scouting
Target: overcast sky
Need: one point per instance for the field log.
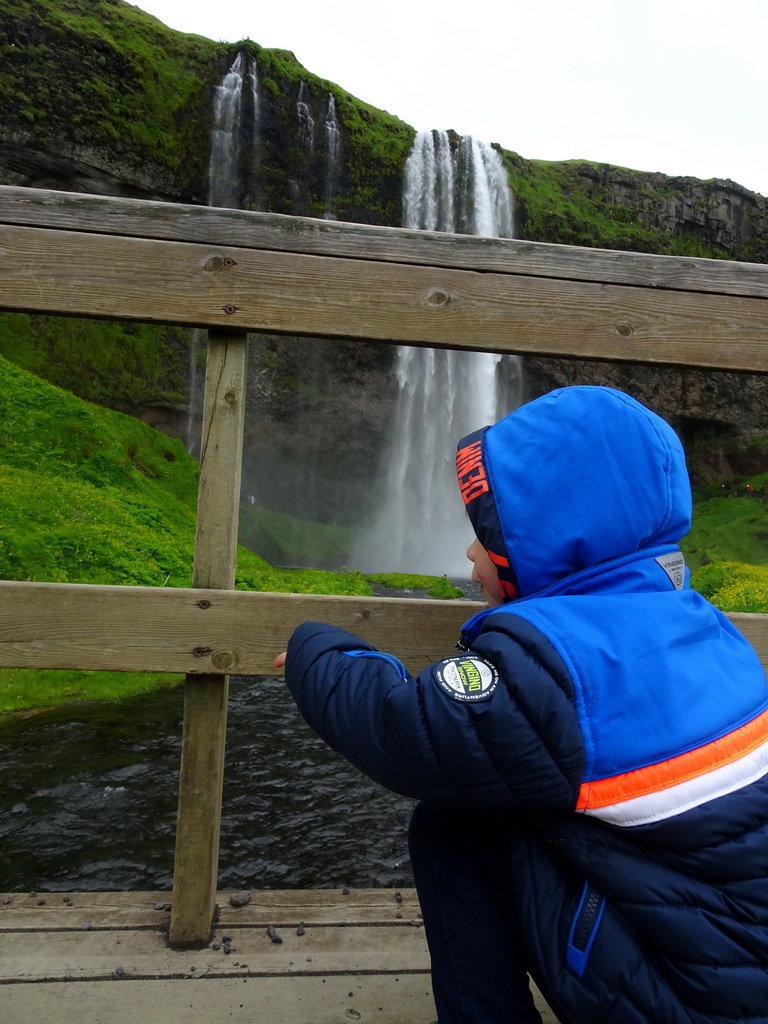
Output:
(657, 85)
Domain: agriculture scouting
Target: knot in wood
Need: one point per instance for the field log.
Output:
(201, 652)
(625, 330)
(436, 298)
(230, 398)
(224, 660)
(214, 264)
(292, 229)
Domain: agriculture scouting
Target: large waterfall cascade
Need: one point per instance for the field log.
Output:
(420, 525)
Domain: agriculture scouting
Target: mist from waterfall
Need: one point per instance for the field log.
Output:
(420, 525)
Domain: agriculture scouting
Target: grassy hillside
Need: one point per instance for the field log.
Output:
(88, 495)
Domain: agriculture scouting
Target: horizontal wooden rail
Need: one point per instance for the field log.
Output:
(277, 232)
(230, 288)
(156, 629)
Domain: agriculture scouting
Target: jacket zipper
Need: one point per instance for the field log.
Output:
(584, 928)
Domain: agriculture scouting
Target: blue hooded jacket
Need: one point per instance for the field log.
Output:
(606, 708)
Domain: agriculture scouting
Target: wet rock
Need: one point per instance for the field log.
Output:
(240, 899)
(274, 937)
(300, 930)
(19, 809)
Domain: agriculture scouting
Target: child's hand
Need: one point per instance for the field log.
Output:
(280, 660)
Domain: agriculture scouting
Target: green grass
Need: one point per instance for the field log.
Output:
(435, 586)
(25, 689)
(728, 530)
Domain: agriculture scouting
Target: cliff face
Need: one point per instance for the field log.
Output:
(97, 96)
(720, 214)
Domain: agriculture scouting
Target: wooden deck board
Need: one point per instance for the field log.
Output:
(104, 957)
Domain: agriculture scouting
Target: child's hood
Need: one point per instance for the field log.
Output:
(572, 479)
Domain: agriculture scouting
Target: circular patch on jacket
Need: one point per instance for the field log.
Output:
(466, 677)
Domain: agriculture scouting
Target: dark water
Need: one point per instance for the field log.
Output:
(88, 800)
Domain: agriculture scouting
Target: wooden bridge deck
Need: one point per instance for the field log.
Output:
(104, 958)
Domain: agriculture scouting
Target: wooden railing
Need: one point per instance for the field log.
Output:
(234, 272)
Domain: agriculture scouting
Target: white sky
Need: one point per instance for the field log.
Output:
(657, 85)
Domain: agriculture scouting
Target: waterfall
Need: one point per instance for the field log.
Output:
(225, 188)
(486, 206)
(253, 78)
(420, 525)
(306, 122)
(333, 147)
(223, 168)
(428, 192)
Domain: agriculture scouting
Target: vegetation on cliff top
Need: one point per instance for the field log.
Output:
(574, 202)
(104, 73)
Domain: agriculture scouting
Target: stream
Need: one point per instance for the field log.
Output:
(88, 799)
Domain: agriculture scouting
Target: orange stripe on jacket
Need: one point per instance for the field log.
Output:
(692, 764)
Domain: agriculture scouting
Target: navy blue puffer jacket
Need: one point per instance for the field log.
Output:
(606, 707)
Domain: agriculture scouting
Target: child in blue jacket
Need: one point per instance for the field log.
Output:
(592, 770)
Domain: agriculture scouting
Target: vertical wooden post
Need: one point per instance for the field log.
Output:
(205, 703)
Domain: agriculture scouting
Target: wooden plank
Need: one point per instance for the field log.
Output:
(176, 282)
(148, 910)
(387, 999)
(201, 776)
(278, 232)
(61, 971)
(156, 629)
(164, 629)
(46, 955)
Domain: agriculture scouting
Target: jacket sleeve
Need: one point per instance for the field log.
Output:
(517, 744)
